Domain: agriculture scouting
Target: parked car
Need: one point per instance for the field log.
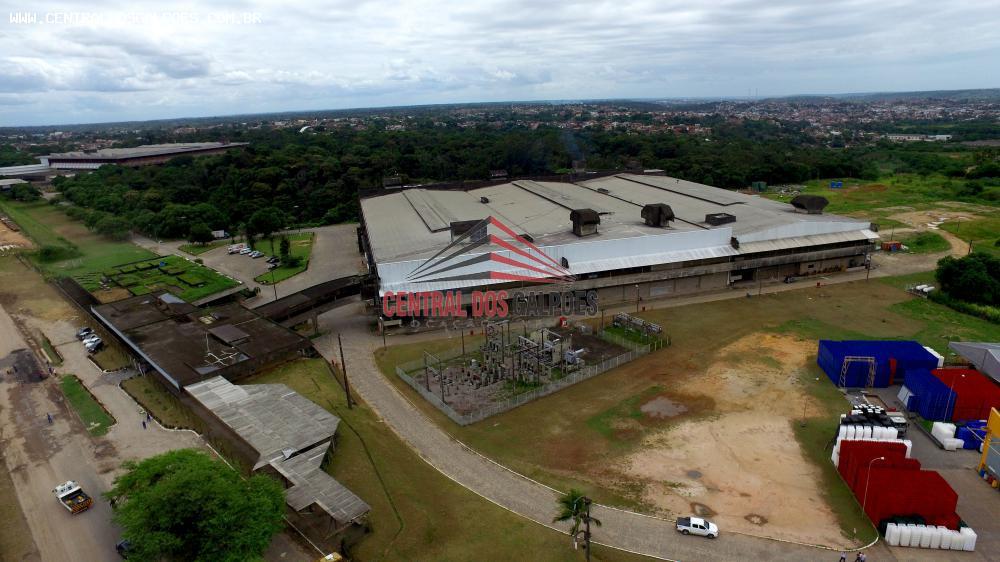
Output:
(84, 332)
(94, 346)
(273, 259)
(245, 251)
(236, 248)
(123, 547)
(697, 526)
(259, 255)
(90, 338)
(271, 266)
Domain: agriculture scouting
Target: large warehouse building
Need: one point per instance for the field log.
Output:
(627, 236)
(136, 156)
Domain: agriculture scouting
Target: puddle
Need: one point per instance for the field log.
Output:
(701, 510)
(695, 474)
(662, 407)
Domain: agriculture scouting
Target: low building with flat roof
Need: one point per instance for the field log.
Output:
(136, 156)
(626, 235)
(185, 344)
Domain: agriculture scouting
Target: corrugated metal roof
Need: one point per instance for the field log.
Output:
(802, 241)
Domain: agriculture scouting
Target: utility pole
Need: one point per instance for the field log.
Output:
(343, 368)
(462, 332)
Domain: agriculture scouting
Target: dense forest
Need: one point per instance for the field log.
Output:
(314, 178)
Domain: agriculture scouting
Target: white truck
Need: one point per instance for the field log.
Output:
(72, 497)
(697, 526)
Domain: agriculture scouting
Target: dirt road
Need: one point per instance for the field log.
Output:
(40, 456)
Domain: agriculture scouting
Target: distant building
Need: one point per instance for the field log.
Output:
(137, 156)
(915, 138)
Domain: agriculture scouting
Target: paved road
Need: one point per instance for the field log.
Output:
(624, 530)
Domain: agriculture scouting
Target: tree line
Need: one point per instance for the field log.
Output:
(314, 178)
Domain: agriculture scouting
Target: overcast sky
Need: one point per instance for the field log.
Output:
(109, 61)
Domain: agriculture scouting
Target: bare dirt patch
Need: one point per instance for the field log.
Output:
(9, 237)
(743, 463)
(111, 294)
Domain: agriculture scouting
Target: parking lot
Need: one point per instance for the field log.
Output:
(334, 254)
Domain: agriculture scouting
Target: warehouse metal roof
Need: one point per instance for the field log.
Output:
(141, 151)
(292, 435)
(26, 170)
(984, 356)
(272, 418)
(409, 226)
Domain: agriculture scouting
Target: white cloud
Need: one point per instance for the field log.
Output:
(232, 56)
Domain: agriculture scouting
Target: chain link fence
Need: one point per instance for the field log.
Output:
(635, 351)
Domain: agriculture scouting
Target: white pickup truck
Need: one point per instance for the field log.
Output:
(696, 526)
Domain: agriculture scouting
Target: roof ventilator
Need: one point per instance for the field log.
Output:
(657, 214)
(585, 221)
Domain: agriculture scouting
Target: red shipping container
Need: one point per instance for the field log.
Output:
(975, 393)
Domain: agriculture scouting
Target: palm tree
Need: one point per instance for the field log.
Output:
(576, 506)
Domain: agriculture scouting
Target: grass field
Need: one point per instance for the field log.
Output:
(301, 246)
(568, 438)
(417, 513)
(983, 233)
(165, 407)
(94, 416)
(82, 251)
(925, 243)
(184, 278)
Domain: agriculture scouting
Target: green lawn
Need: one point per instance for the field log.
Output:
(417, 513)
(301, 246)
(869, 199)
(182, 277)
(83, 251)
(983, 233)
(164, 406)
(925, 243)
(94, 417)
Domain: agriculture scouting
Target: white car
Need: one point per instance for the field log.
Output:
(697, 526)
(245, 251)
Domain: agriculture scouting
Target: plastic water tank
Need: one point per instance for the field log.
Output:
(957, 541)
(925, 537)
(970, 538)
(842, 432)
(914, 535)
(892, 534)
(904, 534)
(935, 537)
(946, 539)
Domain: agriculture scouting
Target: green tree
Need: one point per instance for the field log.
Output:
(285, 248)
(265, 222)
(185, 505)
(200, 233)
(113, 227)
(973, 278)
(574, 506)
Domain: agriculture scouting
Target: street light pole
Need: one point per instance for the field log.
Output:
(868, 478)
(951, 395)
(637, 298)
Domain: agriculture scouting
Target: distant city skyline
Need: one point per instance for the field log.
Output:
(116, 62)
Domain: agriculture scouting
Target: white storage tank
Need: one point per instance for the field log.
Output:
(904, 534)
(970, 538)
(892, 534)
(925, 537)
(957, 541)
(935, 537)
(946, 539)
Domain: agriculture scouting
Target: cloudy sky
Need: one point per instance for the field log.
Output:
(78, 62)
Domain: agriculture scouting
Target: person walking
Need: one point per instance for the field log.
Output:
(50, 418)
(864, 557)
(144, 424)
